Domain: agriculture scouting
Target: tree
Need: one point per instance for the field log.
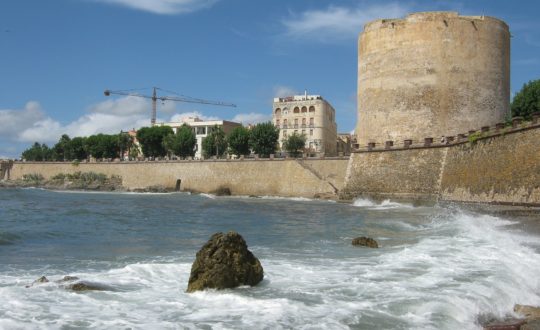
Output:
(263, 138)
(295, 144)
(215, 143)
(151, 140)
(38, 152)
(527, 100)
(238, 140)
(61, 147)
(125, 141)
(181, 144)
(102, 146)
(76, 149)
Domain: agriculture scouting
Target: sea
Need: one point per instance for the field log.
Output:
(437, 266)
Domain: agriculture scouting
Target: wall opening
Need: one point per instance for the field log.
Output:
(178, 182)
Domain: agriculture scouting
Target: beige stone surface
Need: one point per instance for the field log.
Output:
(500, 169)
(431, 75)
(247, 177)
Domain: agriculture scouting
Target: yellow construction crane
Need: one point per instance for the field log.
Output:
(154, 98)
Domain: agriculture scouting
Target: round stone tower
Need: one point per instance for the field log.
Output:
(431, 74)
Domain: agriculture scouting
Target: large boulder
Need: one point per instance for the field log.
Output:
(224, 262)
(530, 312)
(365, 241)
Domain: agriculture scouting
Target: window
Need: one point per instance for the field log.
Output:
(310, 132)
(285, 110)
(311, 109)
(296, 132)
(284, 123)
(296, 110)
(296, 123)
(201, 130)
(277, 122)
(278, 112)
(303, 122)
(284, 133)
(303, 132)
(311, 121)
(304, 109)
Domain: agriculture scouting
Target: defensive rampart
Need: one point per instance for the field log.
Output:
(295, 178)
(493, 165)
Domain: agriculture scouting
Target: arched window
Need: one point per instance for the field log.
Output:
(277, 122)
(296, 110)
(284, 123)
(278, 112)
(304, 109)
(311, 109)
(285, 110)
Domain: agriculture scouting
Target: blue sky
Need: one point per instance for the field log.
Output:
(57, 57)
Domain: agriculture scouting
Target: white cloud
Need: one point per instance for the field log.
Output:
(13, 121)
(167, 7)
(179, 117)
(283, 91)
(251, 118)
(337, 23)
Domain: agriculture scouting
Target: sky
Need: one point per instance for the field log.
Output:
(58, 56)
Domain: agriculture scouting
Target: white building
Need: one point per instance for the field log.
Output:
(308, 115)
(202, 129)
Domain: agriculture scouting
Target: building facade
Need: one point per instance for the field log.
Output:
(308, 115)
(202, 129)
(431, 74)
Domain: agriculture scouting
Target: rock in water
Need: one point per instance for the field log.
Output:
(530, 312)
(224, 262)
(365, 241)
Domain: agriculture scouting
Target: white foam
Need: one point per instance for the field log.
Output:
(384, 205)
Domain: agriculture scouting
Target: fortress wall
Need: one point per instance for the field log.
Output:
(504, 169)
(410, 173)
(331, 170)
(248, 177)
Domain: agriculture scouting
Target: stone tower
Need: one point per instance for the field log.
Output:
(431, 74)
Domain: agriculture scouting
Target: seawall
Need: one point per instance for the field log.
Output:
(279, 177)
(500, 166)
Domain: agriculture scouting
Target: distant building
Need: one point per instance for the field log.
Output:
(344, 144)
(308, 115)
(202, 129)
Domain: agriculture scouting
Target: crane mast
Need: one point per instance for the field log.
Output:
(154, 99)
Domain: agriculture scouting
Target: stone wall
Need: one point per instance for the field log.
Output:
(242, 177)
(499, 166)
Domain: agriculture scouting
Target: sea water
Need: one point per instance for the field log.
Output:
(438, 267)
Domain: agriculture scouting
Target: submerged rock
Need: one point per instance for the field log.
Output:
(40, 280)
(224, 262)
(85, 286)
(365, 241)
(67, 278)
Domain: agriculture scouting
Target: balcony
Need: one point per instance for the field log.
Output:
(284, 126)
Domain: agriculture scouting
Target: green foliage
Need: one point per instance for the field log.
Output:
(527, 100)
(61, 148)
(102, 146)
(76, 149)
(295, 144)
(238, 141)
(33, 178)
(38, 152)
(152, 138)
(181, 144)
(215, 143)
(263, 139)
(474, 137)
